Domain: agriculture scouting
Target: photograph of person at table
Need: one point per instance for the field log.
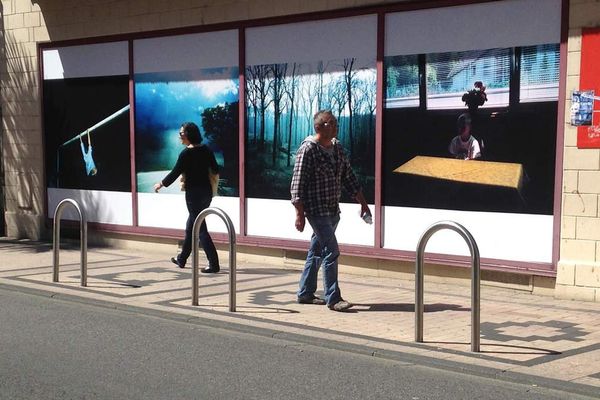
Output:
(464, 146)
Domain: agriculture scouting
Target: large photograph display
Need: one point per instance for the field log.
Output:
(86, 114)
(165, 100)
(86, 125)
(312, 65)
(512, 113)
(469, 120)
(461, 73)
(281, 100)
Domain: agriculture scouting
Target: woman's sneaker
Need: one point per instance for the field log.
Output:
(174, 261)
(211, 269)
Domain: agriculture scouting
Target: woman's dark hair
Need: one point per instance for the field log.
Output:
(192, 132)
(463, 121)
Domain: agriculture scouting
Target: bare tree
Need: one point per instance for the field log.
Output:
(369, 90)
(260, 85)
(349, 75)
(321, 68)
(359, 109)
(308, 89)
(336, 98)
(252, 96)
(278, 72)
(291, 88)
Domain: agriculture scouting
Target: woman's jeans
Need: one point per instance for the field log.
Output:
(196, 202)
(323, 250)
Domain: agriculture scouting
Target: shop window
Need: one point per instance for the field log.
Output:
(450, 75)
(539, 73)
(402, 76)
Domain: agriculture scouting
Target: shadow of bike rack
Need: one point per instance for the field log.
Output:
(56, 239)
(232, 253)
(475, 280)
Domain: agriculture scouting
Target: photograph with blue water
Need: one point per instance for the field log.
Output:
(281, 100)
(164, 101)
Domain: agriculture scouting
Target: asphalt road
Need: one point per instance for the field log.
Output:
(56, 349)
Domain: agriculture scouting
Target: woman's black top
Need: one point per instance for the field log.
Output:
(195, 163)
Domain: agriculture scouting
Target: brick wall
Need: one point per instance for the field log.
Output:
(579, 266)
(21, 141)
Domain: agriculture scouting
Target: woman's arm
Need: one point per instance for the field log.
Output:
(172, 176)
(212, 162)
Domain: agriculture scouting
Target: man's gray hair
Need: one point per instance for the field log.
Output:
(319, 117)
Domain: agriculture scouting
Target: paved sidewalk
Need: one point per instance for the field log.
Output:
(526, 338)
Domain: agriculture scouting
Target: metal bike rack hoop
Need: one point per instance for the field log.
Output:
(232, 253)
(475, 280)
(56, 239)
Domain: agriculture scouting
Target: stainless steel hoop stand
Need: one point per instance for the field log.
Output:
(475, 280)
(82, 238)
(232, 253)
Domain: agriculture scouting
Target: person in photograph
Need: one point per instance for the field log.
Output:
(88, 159)
(464, 146)
(320, 171)
(195, 162)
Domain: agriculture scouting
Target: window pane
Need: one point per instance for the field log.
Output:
(450, 75)
(402, 81)
(539, 72)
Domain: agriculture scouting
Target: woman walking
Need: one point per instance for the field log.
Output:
(195, 162)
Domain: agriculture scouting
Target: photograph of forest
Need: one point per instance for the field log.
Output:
(164, 101)
(281, 100)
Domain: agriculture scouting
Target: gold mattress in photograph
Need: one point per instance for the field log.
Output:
(490, 173)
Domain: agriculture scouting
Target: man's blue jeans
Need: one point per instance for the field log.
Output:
(323, 250)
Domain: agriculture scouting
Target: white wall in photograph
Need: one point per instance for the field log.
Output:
(169, 211)
(186, 52)
(495, 24)
(98, 205)
(102, 59)
(276, 219)
(517, 237)
(315, 40)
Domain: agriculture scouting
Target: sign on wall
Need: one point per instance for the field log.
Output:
(588, 131)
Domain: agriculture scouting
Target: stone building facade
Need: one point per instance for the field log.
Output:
(27, 23)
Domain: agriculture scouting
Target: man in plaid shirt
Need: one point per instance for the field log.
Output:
(320, 172)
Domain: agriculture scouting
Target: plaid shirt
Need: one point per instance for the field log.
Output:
(319, 176)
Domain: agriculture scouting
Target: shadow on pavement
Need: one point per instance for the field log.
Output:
(520, 349)
(410, 307)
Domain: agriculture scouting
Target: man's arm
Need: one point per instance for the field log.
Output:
(298, 186)
(300, 218)
(351, 185)
(364, 207)
(212, 162)
(475, 150)
(452, 147)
